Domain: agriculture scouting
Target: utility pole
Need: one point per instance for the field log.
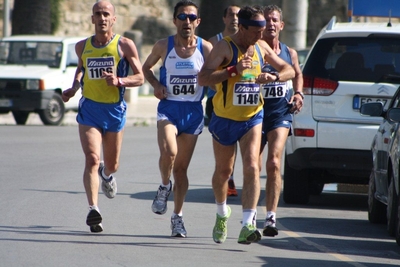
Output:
(295, 16)
(6, 16)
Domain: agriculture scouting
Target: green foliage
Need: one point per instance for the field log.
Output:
(55, 14)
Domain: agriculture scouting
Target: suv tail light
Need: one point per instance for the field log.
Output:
(304, 132)
(318, 86)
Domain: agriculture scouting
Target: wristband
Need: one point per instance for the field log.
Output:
(120, 82)
(300, 93)
(232, 71)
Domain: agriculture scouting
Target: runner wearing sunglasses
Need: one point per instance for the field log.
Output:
(180, 111)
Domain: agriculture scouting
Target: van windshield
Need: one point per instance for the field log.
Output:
(30, 53)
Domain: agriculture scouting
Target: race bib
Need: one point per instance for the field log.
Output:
(96, 66)
(246, 94)
(183, 85)
(274, 90)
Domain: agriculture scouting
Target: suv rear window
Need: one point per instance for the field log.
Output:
(366, 59)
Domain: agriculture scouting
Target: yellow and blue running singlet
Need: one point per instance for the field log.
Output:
(97, 60)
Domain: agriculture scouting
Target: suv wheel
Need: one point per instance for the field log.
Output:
(20, 117)
(398, 222)
(295, 185)
(54, 112)
(392, 208)
(315, 188)
(376, 209)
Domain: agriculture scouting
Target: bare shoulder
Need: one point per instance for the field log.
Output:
(265, 47)
(207, 45)
(213, 40)
(79, 46)
(292, 52)
(125, 42)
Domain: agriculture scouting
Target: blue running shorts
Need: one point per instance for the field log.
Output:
(188, 117)
(271, 126)
(104, 116)
(227, 132)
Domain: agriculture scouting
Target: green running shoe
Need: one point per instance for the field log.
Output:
(220, 230)
(249, 234)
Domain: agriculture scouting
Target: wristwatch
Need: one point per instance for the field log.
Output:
(300, 93)
(276, 74)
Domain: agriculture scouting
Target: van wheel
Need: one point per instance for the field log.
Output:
(295, 185)
(54, 112)
(376, 209)
(20, 117)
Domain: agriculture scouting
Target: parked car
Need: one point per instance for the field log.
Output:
(34, 69)
(302, 55)
(384, 191)
(349, 64)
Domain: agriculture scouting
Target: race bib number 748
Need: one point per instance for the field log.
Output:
(274, 90)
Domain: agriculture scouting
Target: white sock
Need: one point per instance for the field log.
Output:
(222, 209)
(269, 214)
(248, 216)
(168, 186)
(104, 174)
(173, 214)
(94, 207)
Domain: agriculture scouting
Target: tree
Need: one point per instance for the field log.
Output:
(31, 17)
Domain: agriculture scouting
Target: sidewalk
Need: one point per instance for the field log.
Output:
(141, 111)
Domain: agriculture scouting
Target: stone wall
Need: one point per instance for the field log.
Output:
(154, 18)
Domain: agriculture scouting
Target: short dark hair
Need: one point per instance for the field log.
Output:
(270, 8)
(248, 12)
(226, 9)
(185, 3)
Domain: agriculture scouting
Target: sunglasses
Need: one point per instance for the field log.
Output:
(183, 17)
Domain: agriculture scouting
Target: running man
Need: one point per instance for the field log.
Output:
(102, 72)
(230, 19)
(279, 105)
(238, 114)
(180, 117)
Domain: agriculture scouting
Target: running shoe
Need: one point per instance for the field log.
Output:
(108, 186)
(270, 227)
(159, 205)
(94, 219)
(249, 234)
(232, 189)
(220, 231)
(177, 226)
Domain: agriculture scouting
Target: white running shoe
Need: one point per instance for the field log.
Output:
(177, 226)
(108, 186)
(159, 205)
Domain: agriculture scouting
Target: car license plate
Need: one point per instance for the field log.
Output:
(5, 103)
(359, 100)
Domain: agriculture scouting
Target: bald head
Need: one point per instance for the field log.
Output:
(103, 5)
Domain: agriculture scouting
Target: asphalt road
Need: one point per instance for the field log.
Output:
(43, 211)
